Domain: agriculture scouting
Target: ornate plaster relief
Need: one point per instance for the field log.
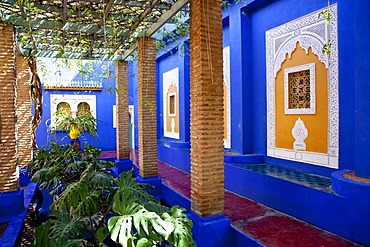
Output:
(226, 67)
(312, 108)
(310, 32)
(170, 78)
(73, 100)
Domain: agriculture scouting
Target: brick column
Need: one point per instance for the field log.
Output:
(122, 126)
(148, 157)
(23, 111)
(8, 175)
(206, 108)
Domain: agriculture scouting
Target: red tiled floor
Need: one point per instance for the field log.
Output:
(108, 154)
(305, 236)
(267, 226)
(175, 178)
(249, 209)
(270, 225)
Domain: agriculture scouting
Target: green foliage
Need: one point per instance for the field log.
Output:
(326, 14)
(86, 195)
(327, 48)
(82, 121)
(58, 165)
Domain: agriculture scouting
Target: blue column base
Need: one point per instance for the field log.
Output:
(356, 205)
(210, 231)
(156, 182)
(123, 165)
(358, 192)
(136, 171)
(11, 203)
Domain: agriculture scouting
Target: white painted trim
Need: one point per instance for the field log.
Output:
(131, 109)
(226, 67)
(170, 78)
(73, 100)
(114, 116)
(312, 109)
(319, 159)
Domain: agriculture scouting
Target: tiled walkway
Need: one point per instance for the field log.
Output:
(269, 227)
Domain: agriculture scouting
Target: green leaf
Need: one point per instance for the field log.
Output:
(143, 242)
(101, 234)
(120, 228)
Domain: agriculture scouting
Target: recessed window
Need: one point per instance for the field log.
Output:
(64, 107)
(172, 105)
(73, 104)
(83, 108)
(299, 89)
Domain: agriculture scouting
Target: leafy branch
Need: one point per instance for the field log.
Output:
(326, 15)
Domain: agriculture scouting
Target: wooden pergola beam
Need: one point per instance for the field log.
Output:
(176, 7)
(106, 13)
(65, 9)
(71, 23)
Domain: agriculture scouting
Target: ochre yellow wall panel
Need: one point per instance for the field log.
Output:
(225, 112)
(173, 90)
(316, 124)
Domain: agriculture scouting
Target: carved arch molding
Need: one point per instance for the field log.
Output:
(310, 32)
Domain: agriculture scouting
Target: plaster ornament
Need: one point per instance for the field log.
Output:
(299, 133)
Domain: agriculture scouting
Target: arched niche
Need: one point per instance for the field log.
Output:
(306, 36)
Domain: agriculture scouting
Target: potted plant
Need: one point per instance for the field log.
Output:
(74, 126)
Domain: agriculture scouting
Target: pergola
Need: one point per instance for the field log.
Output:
(112, 30)
(85, 29)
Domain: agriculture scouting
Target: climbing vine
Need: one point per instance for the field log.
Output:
(326, 14)
(36, 96)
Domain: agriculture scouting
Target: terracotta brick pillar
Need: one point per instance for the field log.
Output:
(206, 108)
(23, 111)
(8, 175)
(148, 157)
(122, 126)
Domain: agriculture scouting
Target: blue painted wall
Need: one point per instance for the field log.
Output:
(244, 30)
(175, 151)
(133, 97)
(362, 87)
(259, 17)
(105, 99)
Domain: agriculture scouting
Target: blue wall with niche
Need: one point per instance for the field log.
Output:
(244, 29)
(133, 97)
(175, 151)
(105, 99)
(258, 18)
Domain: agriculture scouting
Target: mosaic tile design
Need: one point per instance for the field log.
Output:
(309, 180)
